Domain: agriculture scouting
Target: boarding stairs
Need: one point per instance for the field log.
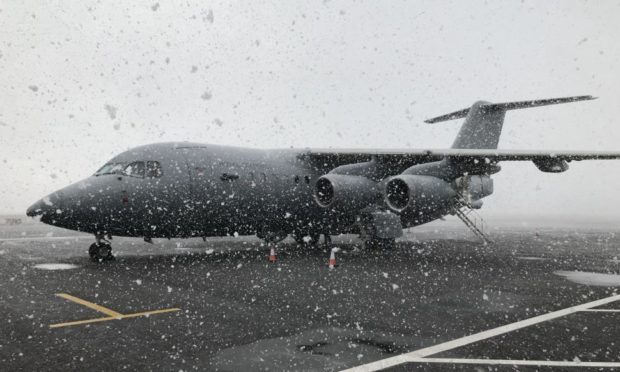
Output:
(464, 211)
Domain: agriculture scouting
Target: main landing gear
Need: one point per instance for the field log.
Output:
(101, 249)
(309, 239)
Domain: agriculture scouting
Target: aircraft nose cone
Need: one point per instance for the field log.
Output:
(35, 209)
(41, 207)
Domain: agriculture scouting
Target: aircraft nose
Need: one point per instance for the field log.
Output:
(35, 209)
(43, 207)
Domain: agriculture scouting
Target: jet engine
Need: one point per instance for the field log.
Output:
(345, 192)
(418, 193)
(474, 187)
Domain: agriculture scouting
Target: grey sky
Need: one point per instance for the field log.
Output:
(81, 81)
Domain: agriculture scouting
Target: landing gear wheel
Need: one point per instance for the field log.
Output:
(302, 239)
(100, 252)
(272, 237)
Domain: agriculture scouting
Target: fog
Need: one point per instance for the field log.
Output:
(83, 81)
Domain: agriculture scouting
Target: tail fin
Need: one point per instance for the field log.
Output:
(484, 120)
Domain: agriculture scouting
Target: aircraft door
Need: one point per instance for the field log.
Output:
(139, 198)
(216, 192)
(153, 197)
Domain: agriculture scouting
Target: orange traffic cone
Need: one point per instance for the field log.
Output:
(332, 259)
(272, 255)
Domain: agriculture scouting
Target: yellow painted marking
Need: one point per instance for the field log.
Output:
(113, 315)
(81, 322)
(91, 305)
(147, 313)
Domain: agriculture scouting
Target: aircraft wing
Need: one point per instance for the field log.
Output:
(326, 158)
(438, 154)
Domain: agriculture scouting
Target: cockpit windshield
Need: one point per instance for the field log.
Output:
(139, 169)
(110, 168)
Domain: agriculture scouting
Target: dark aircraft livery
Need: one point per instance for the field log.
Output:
(183, 189)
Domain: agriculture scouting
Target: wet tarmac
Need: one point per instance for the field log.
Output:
(221, 305)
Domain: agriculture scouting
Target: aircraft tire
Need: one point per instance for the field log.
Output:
(299, 238)
(273, 237)
(100, 252)
(314, 239)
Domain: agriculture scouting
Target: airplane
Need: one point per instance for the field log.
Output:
(184, 189)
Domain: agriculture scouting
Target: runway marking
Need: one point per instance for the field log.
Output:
(420, 354)
(91, 305)
(547, 363)
(79, 322)
(152, 312)
(602, 310)
(112, 315)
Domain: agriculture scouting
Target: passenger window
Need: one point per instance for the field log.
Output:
(263, 177)
(296, 179)
(307, 179)
(135, 169)
(153, 169)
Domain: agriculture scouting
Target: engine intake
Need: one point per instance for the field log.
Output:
(417, 193)
(344, 192)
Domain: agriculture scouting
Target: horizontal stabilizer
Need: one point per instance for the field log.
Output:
(509, 106)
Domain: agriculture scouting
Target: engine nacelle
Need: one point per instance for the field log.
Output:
(345, 193)
(474, 187)
(418, 193)
(551, 165)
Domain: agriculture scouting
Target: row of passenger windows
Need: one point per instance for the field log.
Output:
(152, 169)
(306, 179)
(263, 177)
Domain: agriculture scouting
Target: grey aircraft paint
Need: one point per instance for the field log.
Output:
(190, 189)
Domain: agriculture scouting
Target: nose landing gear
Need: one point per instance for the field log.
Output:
(100, 250)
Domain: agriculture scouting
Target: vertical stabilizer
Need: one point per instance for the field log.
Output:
(482, 127)
(484, 120)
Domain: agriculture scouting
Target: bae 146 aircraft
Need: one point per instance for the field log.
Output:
(184, 189)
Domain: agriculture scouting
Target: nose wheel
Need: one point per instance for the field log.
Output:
(101, 250)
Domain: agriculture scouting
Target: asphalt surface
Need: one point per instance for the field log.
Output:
(225, 307)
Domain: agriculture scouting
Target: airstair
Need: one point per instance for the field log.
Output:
(464, 211)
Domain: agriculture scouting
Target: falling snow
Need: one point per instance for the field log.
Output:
(111, 110)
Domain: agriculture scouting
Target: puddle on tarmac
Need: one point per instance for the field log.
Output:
(531, 258)
(55, 266)
(588, 278)
(317, 350)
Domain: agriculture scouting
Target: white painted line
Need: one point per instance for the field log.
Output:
(602, 310)
(449, 345)
(549, 363)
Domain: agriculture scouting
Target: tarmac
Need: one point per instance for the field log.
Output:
(536, 299)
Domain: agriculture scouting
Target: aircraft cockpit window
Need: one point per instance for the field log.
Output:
(110, 168)
(135, 169)
(153, 169)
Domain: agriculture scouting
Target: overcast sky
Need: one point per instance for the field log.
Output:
(81, 81)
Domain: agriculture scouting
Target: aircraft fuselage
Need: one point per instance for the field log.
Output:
(197, 190)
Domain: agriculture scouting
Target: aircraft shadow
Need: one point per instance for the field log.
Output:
(427, 252)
